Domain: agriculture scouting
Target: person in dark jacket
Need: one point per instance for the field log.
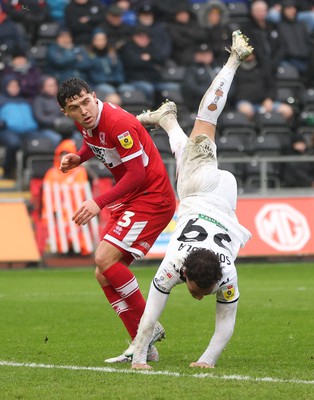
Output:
(82, 17)
(214, 18)
(299, 174)
(65, 59)
(118, 31)
(198, 76)
(157, 30)
(26, 72)
(47, 110)
(254, 90)
(107, 73)
(30, 13)
(185, 34)
(142, 65)
(296, 37)
(11, 38)
(265, 37)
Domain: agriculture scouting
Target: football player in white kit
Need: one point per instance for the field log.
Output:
(208, 236)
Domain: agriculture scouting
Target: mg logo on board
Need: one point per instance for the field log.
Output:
(282, 227)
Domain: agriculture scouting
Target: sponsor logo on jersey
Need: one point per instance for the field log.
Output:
(125, 140)
(228, 292)
(212, 220)
(102, 137)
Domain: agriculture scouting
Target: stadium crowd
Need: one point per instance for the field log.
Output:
(140, 52)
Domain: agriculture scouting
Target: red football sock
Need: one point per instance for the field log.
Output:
(125, 284)
(122, 309)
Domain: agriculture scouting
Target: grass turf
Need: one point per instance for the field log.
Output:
(59, 317)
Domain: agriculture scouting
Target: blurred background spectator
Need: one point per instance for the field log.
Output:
(157, 30)
(128, 14)
(296, 37)
(29, 13)
(301, 175)
(185, 34)
(198, 76)
(17, 123)
(47, 111)
(264, 35)
(107, 73)
(214, 17)
(118, 31)
(254, 90)
(65, 59)
(57, 10)
(26, 72)
(143, 64)
(82, 17)
(11, 37)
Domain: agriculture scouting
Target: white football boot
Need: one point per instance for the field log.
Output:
(240, 46)
(155, 117)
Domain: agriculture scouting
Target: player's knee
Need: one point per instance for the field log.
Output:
(100, 278)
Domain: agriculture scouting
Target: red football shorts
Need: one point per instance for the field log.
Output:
(135, 227)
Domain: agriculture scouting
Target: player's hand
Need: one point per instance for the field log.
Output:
(141, 366)
(86, 212)
(200, 365)
(69, 161)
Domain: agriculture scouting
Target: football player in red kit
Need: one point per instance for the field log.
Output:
(142, 202)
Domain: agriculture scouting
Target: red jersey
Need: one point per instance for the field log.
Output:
(119, 137)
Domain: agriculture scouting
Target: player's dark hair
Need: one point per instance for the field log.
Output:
(70, 88)
(203, 267)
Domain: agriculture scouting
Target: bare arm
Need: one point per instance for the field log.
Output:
(155, 305)
(225, 322)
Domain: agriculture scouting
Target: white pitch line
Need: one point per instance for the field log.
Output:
(151, 372)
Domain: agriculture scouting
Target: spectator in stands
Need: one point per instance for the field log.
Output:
(264, 35)
(157, 30)
(64, 59)
(82, 17)
(142, 64)
(30, 14)
(198, 76)
(185, 34)
(254, 90)
(296, 37)
(47, 110)
(214, 17)
(107, 73)
(165, 9)
(129, 15)
(118, 32)
(305, 12)
(26, 72)
(17, 123)
(299, 174)
(57, 10)
(11, 38)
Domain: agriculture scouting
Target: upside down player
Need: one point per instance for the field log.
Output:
(142, 202)
(208, 236)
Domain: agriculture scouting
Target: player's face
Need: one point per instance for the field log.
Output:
(83, 109)
(197, 292)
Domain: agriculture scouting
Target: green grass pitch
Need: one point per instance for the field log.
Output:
(56, 328)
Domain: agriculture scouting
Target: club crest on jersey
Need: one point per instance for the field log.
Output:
(102, 137)
(228, 292)
(126, 140)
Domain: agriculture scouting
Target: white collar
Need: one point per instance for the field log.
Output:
(100, 108)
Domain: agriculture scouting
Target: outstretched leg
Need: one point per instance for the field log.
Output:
(214, 100)
(166, 117)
